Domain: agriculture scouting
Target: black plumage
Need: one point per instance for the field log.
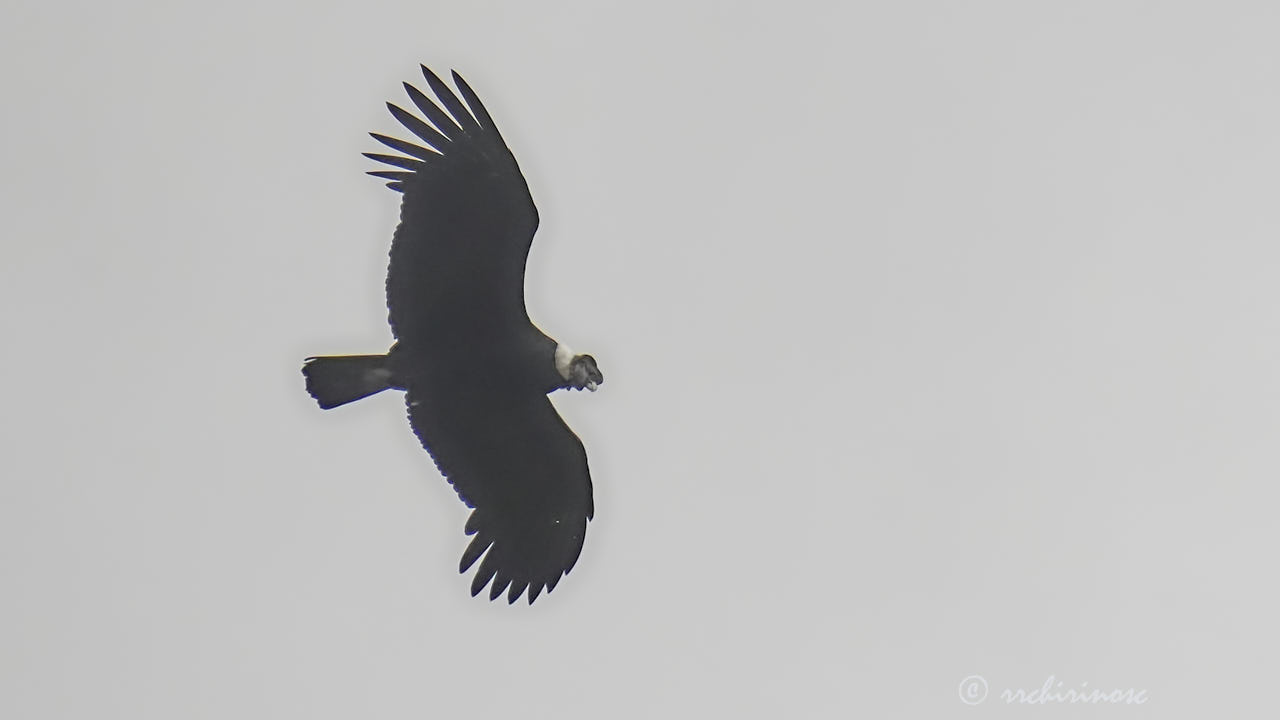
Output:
(475, 369)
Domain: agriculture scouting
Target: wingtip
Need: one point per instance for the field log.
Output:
(403, 163)
(427, 73)
(517, 589)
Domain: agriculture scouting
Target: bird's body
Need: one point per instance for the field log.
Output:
(475, 369)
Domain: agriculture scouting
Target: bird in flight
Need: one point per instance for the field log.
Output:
(475, 370)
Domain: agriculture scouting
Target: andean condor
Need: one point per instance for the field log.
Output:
(476, 372)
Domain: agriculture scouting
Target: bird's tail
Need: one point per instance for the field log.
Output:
(341, 379)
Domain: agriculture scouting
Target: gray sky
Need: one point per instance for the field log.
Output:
(941, 340)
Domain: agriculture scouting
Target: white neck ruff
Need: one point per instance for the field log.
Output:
(564, 358)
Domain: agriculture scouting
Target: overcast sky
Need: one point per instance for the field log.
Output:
(941, 340)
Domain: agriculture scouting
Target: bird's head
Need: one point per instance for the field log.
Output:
(583, 373)
(578, 371)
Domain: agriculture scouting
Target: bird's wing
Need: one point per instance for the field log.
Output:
(466, 218)
(523, 471)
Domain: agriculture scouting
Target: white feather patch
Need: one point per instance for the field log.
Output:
(564, 358)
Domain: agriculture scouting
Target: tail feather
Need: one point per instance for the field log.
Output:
(338, 380)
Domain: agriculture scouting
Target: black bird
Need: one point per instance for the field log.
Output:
(475, 370)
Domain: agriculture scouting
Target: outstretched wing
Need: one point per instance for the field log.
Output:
(522, 470)
(466, 219)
